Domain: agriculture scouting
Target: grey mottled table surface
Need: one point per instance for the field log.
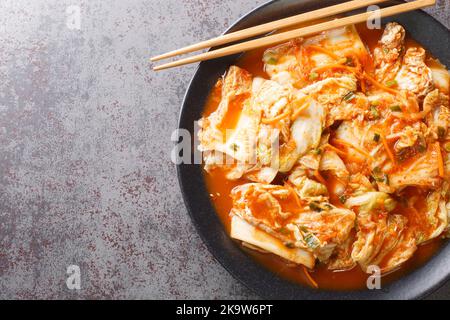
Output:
(85, 171)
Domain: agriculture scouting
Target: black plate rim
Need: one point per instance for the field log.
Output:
(385, 293)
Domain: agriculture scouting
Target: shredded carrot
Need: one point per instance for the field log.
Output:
(323, 50)
(388, 150)
(319, 177)
(329, 146)
(363, 86)
(334, 66)
(440, 160)
(379, 85)
(308, 276)
(277, 118)
(345, 143)
(297, 112)
(358, 64)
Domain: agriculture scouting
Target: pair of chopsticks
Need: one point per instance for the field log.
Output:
(288, 35)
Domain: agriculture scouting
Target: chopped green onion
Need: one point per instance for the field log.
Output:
(378, 179)
(386, 50)
(391, 83)
(349, 96)
(313, 76)
(395, 108)
(447, 147)
(375, 103)
(377, 170)
(421, 148)
(303, 229)
(234, 147)
(311, 241)
(342, 199)
(374, 112)
(269, 58)
(289, 245)
(376, 137)
(420, 237)
(349, 62)
(441, 132)
(379, 176)
(386, 179)
(317, 151)
(389, 203)
(315, 207)
(421, 144)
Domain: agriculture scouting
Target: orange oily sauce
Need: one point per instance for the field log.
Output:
(220, 189)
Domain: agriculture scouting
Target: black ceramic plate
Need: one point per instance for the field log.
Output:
(427, 31)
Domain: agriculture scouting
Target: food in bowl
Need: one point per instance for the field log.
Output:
(328, 157)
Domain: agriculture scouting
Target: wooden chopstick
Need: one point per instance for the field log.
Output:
(270, 26)
(285, 36)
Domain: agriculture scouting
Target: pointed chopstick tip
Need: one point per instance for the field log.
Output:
(157, 58)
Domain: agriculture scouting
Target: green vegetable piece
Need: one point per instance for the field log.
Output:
(311, 241)
(313, 76)
(289, 245)
(390, 204)
(396, 108)
(377, 171)
(349, 62)
(269, 58)
(349, 96)
(447, 147)
(303, 229)
(421, 147)
(441, 132)
(376, 137)
(391, 83)
(315, 207)
(374, 112)
(386, 179)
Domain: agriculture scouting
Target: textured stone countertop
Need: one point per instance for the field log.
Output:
(85, 171)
